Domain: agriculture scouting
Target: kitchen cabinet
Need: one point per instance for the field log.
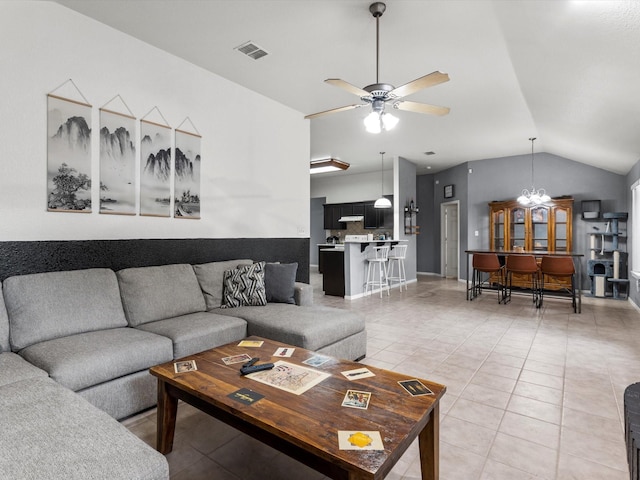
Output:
(332, 213)
(378, 217)
(373, 217)
(332, 271)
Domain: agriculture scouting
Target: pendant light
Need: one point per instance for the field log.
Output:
(382, 202)
(533, 197)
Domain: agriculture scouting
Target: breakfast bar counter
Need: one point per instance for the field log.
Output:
(355, 264)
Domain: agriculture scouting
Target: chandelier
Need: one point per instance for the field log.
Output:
(533, 196)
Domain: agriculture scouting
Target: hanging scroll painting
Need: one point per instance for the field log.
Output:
(155, 169)
(187, 175)
(117, 163)
(68, 155)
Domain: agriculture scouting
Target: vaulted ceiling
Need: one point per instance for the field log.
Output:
(564, 71)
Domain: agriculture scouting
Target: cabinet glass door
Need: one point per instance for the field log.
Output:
(498, 230)
(561, 218)
(517, 233)
(540, 228)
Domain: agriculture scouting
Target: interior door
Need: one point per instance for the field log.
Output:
(450, 239)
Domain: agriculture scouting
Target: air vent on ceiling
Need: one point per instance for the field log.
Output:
(252, 50)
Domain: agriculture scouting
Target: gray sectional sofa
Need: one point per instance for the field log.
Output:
(72, 341)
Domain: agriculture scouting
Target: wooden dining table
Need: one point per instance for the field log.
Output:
(502, 254)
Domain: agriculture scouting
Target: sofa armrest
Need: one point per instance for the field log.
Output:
(303, 294)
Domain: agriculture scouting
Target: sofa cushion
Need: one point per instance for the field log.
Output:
(4, 325)
(211, 278)
(80, 361)
(244, 286)
(198, 332)
(155, 293)
(47, 431)
(279, 282)
(14, 368)
(307, 327)
(44, 306)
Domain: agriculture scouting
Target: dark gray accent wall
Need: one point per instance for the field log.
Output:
(424, 200)
(430, 196)
(20, 258)
(503, 179)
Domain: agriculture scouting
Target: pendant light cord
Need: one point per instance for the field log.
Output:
(382, 174)
(532, 177)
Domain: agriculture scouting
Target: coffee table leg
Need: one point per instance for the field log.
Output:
(166, 425)
(429, 441)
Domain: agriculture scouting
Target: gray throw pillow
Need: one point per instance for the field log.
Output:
(244, 286)
(279, 281)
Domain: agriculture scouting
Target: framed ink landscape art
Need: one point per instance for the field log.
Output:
(117, 163)
(187, 175)
(68, 155)
(155, 169)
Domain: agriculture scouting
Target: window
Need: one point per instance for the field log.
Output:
(635, 229)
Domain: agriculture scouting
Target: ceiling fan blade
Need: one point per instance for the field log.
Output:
(434, 78)
(347, 86)
(421, 108)
(333, 110)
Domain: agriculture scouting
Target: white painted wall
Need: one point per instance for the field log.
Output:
(255, 152)
(352, 188)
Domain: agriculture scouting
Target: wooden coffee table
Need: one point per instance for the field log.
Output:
(305, 427)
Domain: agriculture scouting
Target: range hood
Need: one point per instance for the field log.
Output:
(351, 218)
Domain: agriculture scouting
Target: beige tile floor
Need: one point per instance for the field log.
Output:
(531, 394)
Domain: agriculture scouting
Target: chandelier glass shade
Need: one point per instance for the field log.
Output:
(533, 196)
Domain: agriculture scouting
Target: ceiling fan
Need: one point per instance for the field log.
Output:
(379, 94)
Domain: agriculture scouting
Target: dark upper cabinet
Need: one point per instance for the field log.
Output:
(373, 217)
(332, 213)
(378, 217)
(346, 209)
(370, 215)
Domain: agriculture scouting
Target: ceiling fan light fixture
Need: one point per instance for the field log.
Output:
(389, 121)
(376, 122)
(372, 123)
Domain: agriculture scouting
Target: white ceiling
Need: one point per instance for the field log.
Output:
(565, 71)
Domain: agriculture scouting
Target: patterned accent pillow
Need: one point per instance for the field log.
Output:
(244, 286)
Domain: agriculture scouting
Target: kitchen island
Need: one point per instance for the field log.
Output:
(349, 281)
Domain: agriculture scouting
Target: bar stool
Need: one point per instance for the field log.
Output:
(524, 265)
(377, 261)
(559, 267)
(396, 257)
(487, 263)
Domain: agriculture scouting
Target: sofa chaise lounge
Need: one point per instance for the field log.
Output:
(95, 333)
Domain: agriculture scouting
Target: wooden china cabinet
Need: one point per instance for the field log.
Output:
(543, 228)
(536, 228)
